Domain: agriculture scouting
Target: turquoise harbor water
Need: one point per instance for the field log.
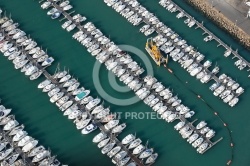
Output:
(45, 122)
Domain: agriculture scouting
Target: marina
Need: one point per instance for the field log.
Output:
(78, 104)
(171, 43)
(207, 32)
(164, 139)
(15, 136)
(142, 92)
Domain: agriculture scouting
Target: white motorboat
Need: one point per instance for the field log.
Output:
(34, 50)
(82, 124)
(135, 143)
(124, 161)
(65, 78)
(40, 156)
(14, 55)
(36, 75)
(31, 70)
(97, 109)
(16, 129)
(88, 129)
(56, 15)
(70, 109)
(52, 11)
(99, 137)
(119, 156)
(69, 82)
(25, 141)
(138, 149)
(102, 114)
(162, 110)
(31, 45)
(108, 118)
(146, 153)
(201, 125)
(77, 91)
(4, 113)
(10, 125)
(46, 5)
(19, 135)
(119, 128)
(43, 84)
(6, 119)
(60, 75)
(108, 147)
(11, 159)
(227, 53)
(192, 138)
(166, 114)
(10, 51)
(62, 100)
(78, 18)
(152, 158)
(210, 134)
(71, 27)
(64, 3)
(3, 145)
(111, 124)
(204, 130)
(67, 7)
(103, 143)
(29, 146)
(5, 153)
(66, 105)
(208, 38)
(202, 147)
(114, 151)
(55, 162)
(128, 139)
(7, 23)
(56, 97)
(66, 24)
(189, 114)
(25, 67)
(93, 103)
(74, 114)
(179, 125)
(49, 87)
(53, 92)
(84, 115)
(36, 151)
(73, 87)
(197, 142)
(48, 61)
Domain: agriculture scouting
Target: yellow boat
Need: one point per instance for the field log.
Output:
(154, 52)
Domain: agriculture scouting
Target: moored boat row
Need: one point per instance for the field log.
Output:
(119, 156)
(16, 144)
(168, 5)
(85, 111)
(172, 44)
(22, 50)
(122, 65)
(98, 112)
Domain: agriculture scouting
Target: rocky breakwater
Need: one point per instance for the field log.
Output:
(222, 21)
